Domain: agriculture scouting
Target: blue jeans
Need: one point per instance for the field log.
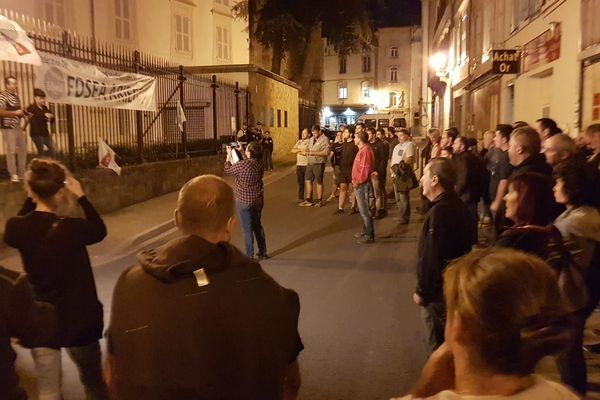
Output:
(362, 201)
(40, 141)
(252, 226)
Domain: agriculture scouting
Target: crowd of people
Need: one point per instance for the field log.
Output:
(535, 190)
(540, 189)
(196, 318)
(361, 158)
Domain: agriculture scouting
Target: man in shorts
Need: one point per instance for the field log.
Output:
(344, 178)
(318, 150)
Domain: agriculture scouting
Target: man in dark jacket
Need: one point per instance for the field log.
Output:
(379, 172)
(470, 179)
(524, 153)
(197, 319)
(446, 235)
(32, 323)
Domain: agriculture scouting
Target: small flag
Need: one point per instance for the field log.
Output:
(15, 45)
(106, 157)
(180, 116)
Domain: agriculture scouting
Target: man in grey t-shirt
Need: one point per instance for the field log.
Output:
(15, 142)
(318, 150)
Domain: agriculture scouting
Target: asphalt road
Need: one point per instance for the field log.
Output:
(362, 333)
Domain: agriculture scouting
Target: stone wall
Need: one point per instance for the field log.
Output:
(110, 192)
(270, 100)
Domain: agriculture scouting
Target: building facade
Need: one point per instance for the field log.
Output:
(186, 32)
(385, 80)
(348, 86)
(558, 47)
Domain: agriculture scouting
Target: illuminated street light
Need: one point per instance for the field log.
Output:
(439, 62)
(381, 99)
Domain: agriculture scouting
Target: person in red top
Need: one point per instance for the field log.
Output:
(361, 182)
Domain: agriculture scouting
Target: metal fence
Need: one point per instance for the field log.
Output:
(213, 108)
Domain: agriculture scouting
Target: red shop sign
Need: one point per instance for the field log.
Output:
(543, 49)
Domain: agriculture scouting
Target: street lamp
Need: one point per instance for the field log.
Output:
(439, 63)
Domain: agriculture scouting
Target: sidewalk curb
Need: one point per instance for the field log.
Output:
(149, 236)
(152, 232)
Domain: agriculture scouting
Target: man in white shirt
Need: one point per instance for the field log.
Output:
(299, 149)
(403, 159)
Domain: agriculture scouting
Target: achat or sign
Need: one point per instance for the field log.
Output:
(72, 82)
(505, 61)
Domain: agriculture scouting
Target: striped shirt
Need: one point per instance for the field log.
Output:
(9, 102)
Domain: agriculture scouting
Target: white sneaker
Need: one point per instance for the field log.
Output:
(15, 178)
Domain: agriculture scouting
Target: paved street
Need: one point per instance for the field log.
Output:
(361, 331)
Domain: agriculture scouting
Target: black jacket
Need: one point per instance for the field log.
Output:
(32, 323)
(54, 254)
(267, 144)
(471, 180)
(381, 154)
(446, 235)
(536, 163)
(172, 338)
(531, 242)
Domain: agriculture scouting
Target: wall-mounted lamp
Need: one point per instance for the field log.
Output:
(439, 63)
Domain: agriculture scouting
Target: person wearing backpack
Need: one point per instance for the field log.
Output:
(54, 254)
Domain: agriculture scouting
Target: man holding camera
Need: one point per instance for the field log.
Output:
(15, 143)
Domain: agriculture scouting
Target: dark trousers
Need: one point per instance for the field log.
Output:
(268, 160)
(89, 363)
(434, 318)
(571, 362)
(404, 198)
(252, 226)
(300, 172)
(40, 141)
(473, 210)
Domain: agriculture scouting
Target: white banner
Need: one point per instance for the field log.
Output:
(71, 82)
(107, 157)
(15, 45)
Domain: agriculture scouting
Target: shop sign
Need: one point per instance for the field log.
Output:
(543, 49)
(505, 61)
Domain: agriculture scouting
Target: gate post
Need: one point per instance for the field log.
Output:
(214, 87)
(139, 129)
(182, 101)
(66, 49)
(236, 93)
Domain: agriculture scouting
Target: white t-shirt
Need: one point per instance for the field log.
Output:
(542, 390)
(402, 152)
(302, 145)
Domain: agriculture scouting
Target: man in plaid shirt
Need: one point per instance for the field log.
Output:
(249, 196)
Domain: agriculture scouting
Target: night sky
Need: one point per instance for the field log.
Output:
(398, 13)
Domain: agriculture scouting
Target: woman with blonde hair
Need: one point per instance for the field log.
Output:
(504, 313)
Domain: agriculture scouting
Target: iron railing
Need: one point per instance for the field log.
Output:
(136, 136)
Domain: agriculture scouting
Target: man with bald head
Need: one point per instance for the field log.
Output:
(559, 148)
(197, 319)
